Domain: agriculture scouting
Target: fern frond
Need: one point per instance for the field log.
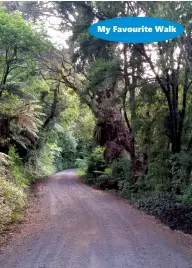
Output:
(25, 122)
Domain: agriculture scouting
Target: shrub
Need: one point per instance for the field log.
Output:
(171, 212)
(106, 182)
(4, 165)
(40, 163)
(108, 171)
(102, 181)
(187, 196)
(121, 169)
(17, 169)
(96, 161)
(87, 178)
(94, 167)
(169, 172)
(82, 163)
(121, 173)
(12, 201)
(159, 176)
(181, 166)
(12, 187)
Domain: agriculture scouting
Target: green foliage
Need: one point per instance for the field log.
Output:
(67, 143)
(12, 201)
(20, 43)
(118, 176)
(4, 163)
(181, 167)
(13, 184)
(101, 74)
(158, 176)
(96, 161)
(187, 195)
(81, 163)
(41, 163)
(170, 173)
(104, 182)
(95, 165)
(26, 100)
(121, 168)
(168, 210)
(17, 169)
(108, 171)
(121, 172)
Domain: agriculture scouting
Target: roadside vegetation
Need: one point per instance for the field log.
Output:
(38, 117)
(120, 113)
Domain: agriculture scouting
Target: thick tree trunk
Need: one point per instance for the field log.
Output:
(116, 138)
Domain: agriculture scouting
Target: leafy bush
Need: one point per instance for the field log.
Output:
(95, 166)
(181, 166)
(106, 182)
(12, 186)
(102, 181)
(159, 176)
(41, 162)
(117, 177)
(169, 173)
(17, 169)
(96, 161)
(108, 171)
(121, 169)
(187, 196)
(171, 212)
(4, 165)
(81, 163)
(121, 173)
(12, 201)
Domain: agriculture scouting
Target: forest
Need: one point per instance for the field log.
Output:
(119, 113)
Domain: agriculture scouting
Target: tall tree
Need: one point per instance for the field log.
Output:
(172, 65)
(107, 75)
(20, 46)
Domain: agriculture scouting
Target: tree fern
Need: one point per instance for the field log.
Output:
(25, 122)
(24, 119)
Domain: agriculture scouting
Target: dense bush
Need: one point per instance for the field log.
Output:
(187, 196)
(121, 172)
(96, 162)
(81, 163)
(106, 180)
(94, 165)
(121, 168)
(12, 201)
(154, 193)
(17, 169)
(170, 173)
(12, 186)
(40, 163)
(166, 208)
(117, 176)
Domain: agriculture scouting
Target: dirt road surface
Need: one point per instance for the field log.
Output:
(72, 225)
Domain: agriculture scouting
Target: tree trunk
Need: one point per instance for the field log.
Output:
(53, 107)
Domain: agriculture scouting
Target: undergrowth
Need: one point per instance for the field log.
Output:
(157, 193)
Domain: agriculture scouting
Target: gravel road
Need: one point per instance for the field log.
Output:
(75, 226)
